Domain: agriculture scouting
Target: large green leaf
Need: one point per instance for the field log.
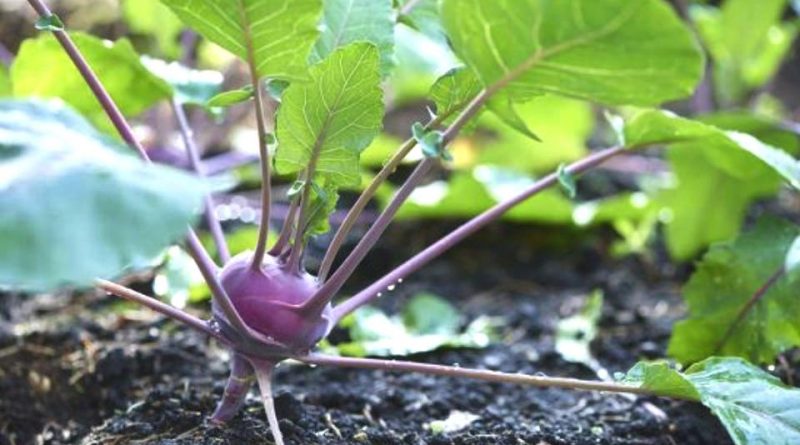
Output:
(348, 21)
(707, 204)
(718, 173)
(755, 407)
(610, 51)
(331, 119)
(43, 69)
(563, 125)
(77, 205)
(720, 290)
(278, 33)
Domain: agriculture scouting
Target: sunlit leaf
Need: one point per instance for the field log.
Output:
(755, 407)
(76, 205)
(747, 42)
(718, 172)
(43, 69)
(423, 17)
(231, 97)
(722, 287)
(427, 323)
(189, 86)
(609, 51)
(575, 334)
(348, 21)
(332, 118)
(278, 34)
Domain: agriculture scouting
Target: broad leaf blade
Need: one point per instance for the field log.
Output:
(77, 206)
(331, 119)
(130, 84)
(718, 173)
(278, 33)
(348, 21)
(755, 407)
(609, 51)
(722, 287)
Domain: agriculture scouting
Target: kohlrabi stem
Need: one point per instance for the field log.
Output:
(361, 203)
(297, 245)
(214, 226)
(286, 230)
(263, 147)
(158, 306)
(239, 383)
(757, 296)
(337, 280)
(477, 374)
(193, 245)
(92, 81)
(463, 231)
(263, 371)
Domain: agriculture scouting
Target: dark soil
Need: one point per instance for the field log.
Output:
(87, 369)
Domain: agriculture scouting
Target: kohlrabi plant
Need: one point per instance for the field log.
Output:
(77, 210)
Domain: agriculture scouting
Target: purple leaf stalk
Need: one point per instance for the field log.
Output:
(266, 307)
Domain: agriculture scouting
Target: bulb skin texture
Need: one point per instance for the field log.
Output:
(267, 300)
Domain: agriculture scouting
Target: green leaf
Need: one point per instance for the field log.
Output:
(575, 334)
(567, 181)
(427, 323)
(453, 91)
(503, 107)
(189, 86)
(231, 97)
(718, 173)
(5, 82)
(76, 205)
(331, 119)
(747, 41)
(178, 280)
(424, 17)
(720, 290)
(609, 51)
(130, 84)
(467, 194)
(431, 142)
(322, 204)
(707, 204)
(792, 262)
(348, 21)
(278, 34)
(49, 23)
(783, 163)
(755, 407)
(152, 18)
(562, 124)
(430, 314)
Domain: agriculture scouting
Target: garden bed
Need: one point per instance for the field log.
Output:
(82, 370)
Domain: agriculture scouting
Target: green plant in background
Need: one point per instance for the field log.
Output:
(512, 100)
